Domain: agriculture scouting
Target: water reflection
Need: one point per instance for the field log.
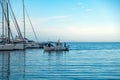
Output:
(56, 58)
(55, 53)
(12, 65)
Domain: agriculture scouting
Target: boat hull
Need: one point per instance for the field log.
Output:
(32, 45)
(6, 47)
(19, 46)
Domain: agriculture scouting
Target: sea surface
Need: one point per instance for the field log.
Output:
(84, 61)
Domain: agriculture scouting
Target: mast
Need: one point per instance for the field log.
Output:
(24, 19)
(3, 21)
(8, 23)
(15, 21)
(25, 11)
(5, 16)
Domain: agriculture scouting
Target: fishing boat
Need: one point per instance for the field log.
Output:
(56, 46)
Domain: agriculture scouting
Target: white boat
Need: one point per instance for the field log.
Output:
(25, 43)
(57, 47)
(7, 39)
(6, 47)
(19, 46)
(31, 45)
(18, 43)
(12, 46)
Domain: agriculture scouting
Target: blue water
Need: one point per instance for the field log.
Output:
(91, 61)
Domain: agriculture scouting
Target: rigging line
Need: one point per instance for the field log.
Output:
(15, 21)
(14, 24)
(31, 25)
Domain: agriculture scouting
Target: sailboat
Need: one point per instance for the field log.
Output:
(29, 43)
(7, 40)
(5, 37)
(18, 43)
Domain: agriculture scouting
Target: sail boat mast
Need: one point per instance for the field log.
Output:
(3, 21)
(8, 24)
(24, 19)
(14, 18)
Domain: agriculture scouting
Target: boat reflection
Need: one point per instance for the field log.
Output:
(55, 56)
(55, 53)
(12, 65)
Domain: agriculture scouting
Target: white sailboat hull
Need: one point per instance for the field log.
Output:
(18, 46)
(32, 45)
(6, 47)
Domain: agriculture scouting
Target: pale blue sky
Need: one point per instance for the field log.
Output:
(72, 20)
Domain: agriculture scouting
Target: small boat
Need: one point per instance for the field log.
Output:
(56, 47)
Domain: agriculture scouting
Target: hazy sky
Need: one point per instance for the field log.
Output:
(72, 20)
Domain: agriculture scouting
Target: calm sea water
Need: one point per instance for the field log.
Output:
(83, 61)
